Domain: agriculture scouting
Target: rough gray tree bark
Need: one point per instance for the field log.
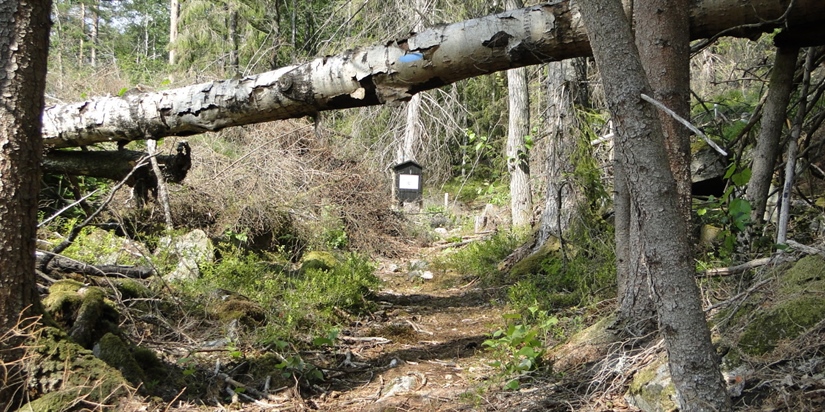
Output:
(24, 45)
(640, 145)
(663, 41)
(518, 156)
(773, 120)
(793, 145)
(386, 73)
(561, 198)
(662, 29)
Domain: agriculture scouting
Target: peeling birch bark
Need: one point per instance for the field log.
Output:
(381, 74)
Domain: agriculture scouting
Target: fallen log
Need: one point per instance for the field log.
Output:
(390, 72)
(63, 264)
(116, 164)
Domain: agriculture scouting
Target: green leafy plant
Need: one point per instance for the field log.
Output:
(730, 212)
(519, 346)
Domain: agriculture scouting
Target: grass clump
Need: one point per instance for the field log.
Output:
(288, 304)
(481, 259)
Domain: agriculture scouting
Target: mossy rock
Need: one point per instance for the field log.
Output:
(83, 311)
(799, 303)
(807, 273)
(785, 321)
(245, 311)
(65, 285)
(318, 260)
(652, 389)
(60, 372)
(532, 264)
(132, 288)
(112, 350)
(586, 347)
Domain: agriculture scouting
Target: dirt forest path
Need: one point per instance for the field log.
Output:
(421, 351)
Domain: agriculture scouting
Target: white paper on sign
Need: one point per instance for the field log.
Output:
(408, 182)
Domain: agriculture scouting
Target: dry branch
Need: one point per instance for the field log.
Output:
(732, 270)
(65, 265)
(805, 248)
(385, 73)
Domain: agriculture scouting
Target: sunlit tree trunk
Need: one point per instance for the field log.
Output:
(234, 66)
(772, 124)
(93, 34)
(517, 153)
(640, 146)
(561, 197)
(24, 45)
(412, 126)
(174, 13)
(81, 50)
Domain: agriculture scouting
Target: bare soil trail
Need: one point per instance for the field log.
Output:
(422, 350)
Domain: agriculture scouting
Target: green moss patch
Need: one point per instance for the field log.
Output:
(652, 388)
(112, 350)
(61, 372)
(318, 260)
(83, 311)
(246, 311)
(785, 321)
(798, 304)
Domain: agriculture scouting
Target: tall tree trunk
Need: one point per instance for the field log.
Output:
(93, 34)
(81, 49)
(234, 65)
(517, 153)
(174, 13)
(793, 144)
(389, 72)
(663, 39)
(412, 126)
(773, 120)
(694, 365)
(24, 45)
(560, 202)
(664, 50)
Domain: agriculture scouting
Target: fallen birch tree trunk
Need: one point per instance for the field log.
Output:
(387, 73)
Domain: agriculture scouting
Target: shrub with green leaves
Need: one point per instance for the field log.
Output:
(519, 346)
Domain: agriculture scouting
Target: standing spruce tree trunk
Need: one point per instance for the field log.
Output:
(518, 157)
(663, 41)
(174, 13)
(24, 45)
(773, 121)
(666, 255)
